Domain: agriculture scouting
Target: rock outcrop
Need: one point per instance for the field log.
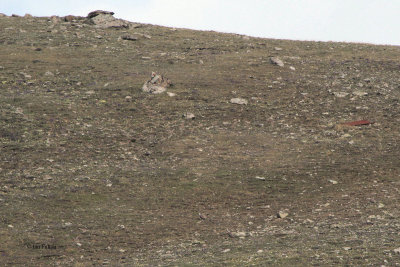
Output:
(105, 19)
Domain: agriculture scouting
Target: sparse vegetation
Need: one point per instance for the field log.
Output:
(100, 178)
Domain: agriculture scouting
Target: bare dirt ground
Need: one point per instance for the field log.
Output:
(94, 171)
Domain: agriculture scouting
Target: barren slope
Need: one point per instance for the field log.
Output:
(91, 176)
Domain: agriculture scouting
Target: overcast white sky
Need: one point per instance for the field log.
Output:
(367, 21)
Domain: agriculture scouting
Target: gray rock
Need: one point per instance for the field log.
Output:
(277, 61)
(108, 21)
(360, 93)
(99, 12)
(2, 15)
(49, 74)
(340, 94)
(26, 76)
(239, 101)
(129, 38)
(238, 234)
(397, 251)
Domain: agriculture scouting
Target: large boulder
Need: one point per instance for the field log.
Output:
(99, 12)
(105, 19)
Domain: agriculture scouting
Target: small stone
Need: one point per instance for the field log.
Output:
(122, 250)
(90, 92)
(10, 226)
(55, 19)
(397, 251)
(69, 18)
(347, 248)
(189, 116)
(277, 61)
(260, 251)
(129, 38)
(128, 98)
(381, 205)
(226, 250)
(240, 234)
(26, 76)
(340, 94)
(19, 111)
(78, 244)
(239, 101)
(360, 93)
(282, 214)
(202, 216)
(260, 178)
(171, 94)
(292, 68)
(49, 74)
(333, 182)
(278, 49)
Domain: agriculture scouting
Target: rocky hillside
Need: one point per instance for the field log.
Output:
(127, 144)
